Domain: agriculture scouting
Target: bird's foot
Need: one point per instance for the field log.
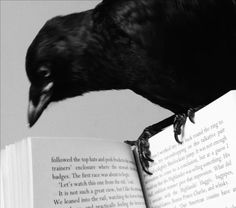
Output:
(142, 142)
(144, 153)
(179, 122)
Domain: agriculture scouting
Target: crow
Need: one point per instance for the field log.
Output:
(178, 54)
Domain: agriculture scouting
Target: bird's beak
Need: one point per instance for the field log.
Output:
(38, 101)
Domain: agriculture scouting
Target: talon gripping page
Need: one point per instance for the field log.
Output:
(202, 171)
(94, 173)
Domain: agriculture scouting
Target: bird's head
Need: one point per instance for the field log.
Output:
(55, 62)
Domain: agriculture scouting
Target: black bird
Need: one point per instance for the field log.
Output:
(179, 54)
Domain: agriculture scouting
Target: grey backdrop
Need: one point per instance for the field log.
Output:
(112, 114)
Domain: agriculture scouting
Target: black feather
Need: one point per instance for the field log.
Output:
(179, 54)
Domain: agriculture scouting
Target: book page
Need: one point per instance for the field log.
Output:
(202, 171)
(2, 178)
(84, 173)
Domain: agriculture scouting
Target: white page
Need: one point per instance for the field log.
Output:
(2, 177)
(78, 182)
(10, 194)
(201, 172)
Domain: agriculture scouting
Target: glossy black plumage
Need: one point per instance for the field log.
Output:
(179, 54)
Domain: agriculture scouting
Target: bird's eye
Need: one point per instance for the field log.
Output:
(44, 71)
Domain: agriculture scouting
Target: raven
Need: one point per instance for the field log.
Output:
(179, 54)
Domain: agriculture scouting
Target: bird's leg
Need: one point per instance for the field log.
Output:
(142, 142)
(143, 145)
(180, 120)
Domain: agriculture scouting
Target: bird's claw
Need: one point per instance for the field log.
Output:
(179, 122)
(144, 153)
(142, 143)
(131, 143)
(191, 114)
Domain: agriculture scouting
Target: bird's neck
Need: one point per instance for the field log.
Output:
(112, 61)
(108, 70)
(104, 76)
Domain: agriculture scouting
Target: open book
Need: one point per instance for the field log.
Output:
(93, 173)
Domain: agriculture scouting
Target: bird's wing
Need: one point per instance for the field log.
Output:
(137, 19)
(148, 22)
